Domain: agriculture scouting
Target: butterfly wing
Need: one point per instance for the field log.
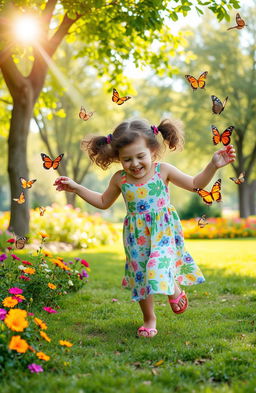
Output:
(117, 99)
(217, 106)
(42, 210)
(240, 179)
(216, 135)
(20, 242)
(25, 183)
(57, 161)
(239, 21)
(201, 79)
(205, 195)
(193, 81)
(47, 161)
(85, 115)
(21, 199)
(202, 221)
(115, 96)
(215, 191)
(225, 136)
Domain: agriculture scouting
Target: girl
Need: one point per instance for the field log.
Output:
(152, 233)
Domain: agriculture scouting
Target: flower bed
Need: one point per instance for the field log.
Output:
(220, 228)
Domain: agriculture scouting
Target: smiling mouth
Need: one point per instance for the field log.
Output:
(137, 170)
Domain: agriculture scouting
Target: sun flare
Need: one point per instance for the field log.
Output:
(26, 29)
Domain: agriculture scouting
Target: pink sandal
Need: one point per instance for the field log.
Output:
(146, 332)
(176, 301)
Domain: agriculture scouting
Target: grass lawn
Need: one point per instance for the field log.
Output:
(211, 348)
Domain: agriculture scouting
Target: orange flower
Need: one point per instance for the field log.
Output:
(45, 336)
(20, 297)
(29, 270)
(60, 264)
(16, 320)
(40, 323)
(65, 343)
(42, 356)
(18, 344)
(9, 302)
(47, 253)
(43, 235)
(51, 286)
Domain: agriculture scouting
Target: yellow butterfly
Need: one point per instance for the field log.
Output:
(21, 199)
(26, 183)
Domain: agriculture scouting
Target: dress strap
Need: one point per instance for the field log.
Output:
(123, 177)
(157, 167)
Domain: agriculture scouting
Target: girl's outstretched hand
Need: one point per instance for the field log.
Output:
(224, 156)
(64, 183)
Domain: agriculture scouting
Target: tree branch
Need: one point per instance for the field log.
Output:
(47, 13)
(12, 76)
(43, 133)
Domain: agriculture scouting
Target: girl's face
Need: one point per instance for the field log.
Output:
(136, 158)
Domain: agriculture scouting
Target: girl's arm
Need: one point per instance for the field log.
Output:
(220, 158)
(101, 201)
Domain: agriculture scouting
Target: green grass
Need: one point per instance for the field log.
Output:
(209, 349)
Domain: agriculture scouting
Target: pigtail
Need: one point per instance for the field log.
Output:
(99, 150)
(172, 133)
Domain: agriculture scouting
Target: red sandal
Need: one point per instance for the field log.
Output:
(146, 332)
(176, 301)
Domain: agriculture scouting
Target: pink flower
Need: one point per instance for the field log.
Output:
(180, 279)
(141, 240)
(161, 202)
(15, 257)
(12, 240)
(151, 263)
(142, 291)
(154, 254)
(84, 262)
(114, 300)
(9, 248)
(31, 314)
(22, 277)
(49, 310)
(35, 368)
(15, 291)
(3, 313)
(134, 265)
(26, 263)
(124, 282)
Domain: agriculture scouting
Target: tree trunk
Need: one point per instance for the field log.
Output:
(71, 198)
(243, 197)
(252, 197)
(17, 157)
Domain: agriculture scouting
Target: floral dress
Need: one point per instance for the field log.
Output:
(153, 241)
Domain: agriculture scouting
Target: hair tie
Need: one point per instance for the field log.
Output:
(155, 130)
(109, 138)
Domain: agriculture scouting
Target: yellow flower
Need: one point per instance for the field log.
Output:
(191, 277)
(45, 336)
(43, 356)
(159, 236)
(65, 343)
(51, 286)
(151, 274)
(16, 320)
(20, 297)
(163, 285)
(40, 323)
(131, 228)
(29, 270)
(131, 282)
(139, 222)
(43, 235)
(9, 302)
(168, 231)
(18, 344)
(142, 192)
(47, 253)
(130, 196)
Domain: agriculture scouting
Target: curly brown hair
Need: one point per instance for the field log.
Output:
(103, 150)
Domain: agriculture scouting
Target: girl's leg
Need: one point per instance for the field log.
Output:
(147, 308)
(177, 291)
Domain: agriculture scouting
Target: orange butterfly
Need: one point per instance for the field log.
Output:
(21, 199)
(224, 137)
(197, 83)
(240, 23)
(26, 183)
(240, 179)
(217, 106)
(20, 242)
(202, 221)
(42, 210)
(85, 115)
(117, 99)
(213, 195)
(49, 163)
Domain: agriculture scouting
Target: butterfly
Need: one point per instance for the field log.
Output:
(202, 221)
(240, 23)
(42, 210)
(48, 162)
(85, 115)
(224, 137)
(21, 199)
(20, 242)
(240, 179)
(213, 195)
(197, 83)
(117, 99)
(26, 183)
(217, 106)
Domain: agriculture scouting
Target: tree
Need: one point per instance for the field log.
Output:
(112, 32)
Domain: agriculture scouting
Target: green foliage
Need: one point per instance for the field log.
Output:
(195, 208)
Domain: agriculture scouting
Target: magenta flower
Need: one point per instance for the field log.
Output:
(15, 257)
(49, 310)
(31, 313)
(9, 248)
(3, 313)
(12, 240)
(84, 262)
(114, 300)
(3, 257)
(35, 368)
(15, 291)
